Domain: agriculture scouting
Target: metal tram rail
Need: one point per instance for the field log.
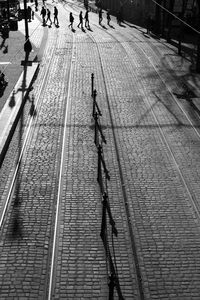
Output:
(30, 129)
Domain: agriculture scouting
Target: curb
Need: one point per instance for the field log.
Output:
(9, 116)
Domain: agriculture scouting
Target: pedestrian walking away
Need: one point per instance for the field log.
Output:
(71, 20)
(43, 13)
(87, 25)
(55, 16)
(48, 16)
(108, 18)
(100, 16)
(80, 20)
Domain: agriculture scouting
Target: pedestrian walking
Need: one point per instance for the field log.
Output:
(33, 14)
(48, 17)
(100, 16)
(55, 16)
(36, 5)
(149, 24)
(87, 25)
(29, 12)
(71, 20)
(80, 20)
(108, 18)
(43, 13)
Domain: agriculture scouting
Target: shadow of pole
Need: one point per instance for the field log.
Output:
(17, 224)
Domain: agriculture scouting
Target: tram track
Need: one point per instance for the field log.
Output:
(163, 137)
(30, 126)
(50, 276)
(51, 58)
(194, 201)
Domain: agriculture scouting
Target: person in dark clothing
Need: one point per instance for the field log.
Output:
(108, 18)
(48, 16)
(43, 13)
(118, 18)
(149, 24)
(87, 25)
(100, 16)
(36, 5)
(55, 16)
(71, 20)
(80, 20)
(29, 11)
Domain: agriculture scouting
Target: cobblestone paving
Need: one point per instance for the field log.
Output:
(81, 267)
(152, 156)
(164, 219)
(26, 235)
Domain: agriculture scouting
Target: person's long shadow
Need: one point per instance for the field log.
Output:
(146, 35)
(103, 26)
(111, 26)
(89, 28)
(121, 25)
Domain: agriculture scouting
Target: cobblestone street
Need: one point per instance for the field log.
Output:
(50, 244)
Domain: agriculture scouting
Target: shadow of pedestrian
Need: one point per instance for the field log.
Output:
(5, 49)
(12, 100)
(146, 35)
(103, 26)
(121, 25)
(111, 26)
(32, 111)
(73, 30)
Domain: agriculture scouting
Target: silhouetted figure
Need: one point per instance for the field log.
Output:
(80, 20)
(100, 16)
(32, 14)
(29, 12)
(108, 18)
(87, 25)
(71, 20)
(48, 16)
(36, 5)
(43, 13)
(118, 18)
(55, 16)
(149, 24)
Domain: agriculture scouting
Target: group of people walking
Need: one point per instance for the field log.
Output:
(86, 18)
(46, 16)
(81, 18)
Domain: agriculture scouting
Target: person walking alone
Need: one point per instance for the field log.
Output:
(87, 25)
(43, 13)
(100, 16)
(108, 18)
(80, 20)
(48, 16)
(71, 20)
(55, 16)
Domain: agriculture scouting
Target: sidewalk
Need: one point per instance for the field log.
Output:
(11, 57)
